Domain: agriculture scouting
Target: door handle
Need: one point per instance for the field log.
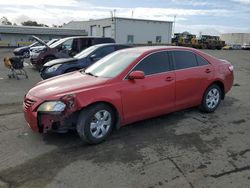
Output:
(169, 79)
(208, 71)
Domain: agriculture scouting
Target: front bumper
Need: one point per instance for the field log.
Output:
(45, 122)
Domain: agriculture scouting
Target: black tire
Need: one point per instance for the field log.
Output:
(205, 107)
(26, 54)
(87, 116)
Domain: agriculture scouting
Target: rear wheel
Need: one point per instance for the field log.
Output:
(211, 98)
(95, 123)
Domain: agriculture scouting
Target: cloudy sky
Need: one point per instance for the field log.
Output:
(206, 16)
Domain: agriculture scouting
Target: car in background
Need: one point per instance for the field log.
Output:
(227, 47)
(232, 47)
(24, 51)
(127, 86)
(64, 48)
(245, 47)
(41, 46)
(82, 60)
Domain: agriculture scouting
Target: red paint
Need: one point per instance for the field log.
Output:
(134, 99)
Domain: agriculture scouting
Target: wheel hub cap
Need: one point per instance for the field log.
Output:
(100, 124)
(212, 98)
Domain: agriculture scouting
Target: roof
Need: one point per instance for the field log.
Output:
(79, 24)
(144, 49)
(144, 20)
(41, 30)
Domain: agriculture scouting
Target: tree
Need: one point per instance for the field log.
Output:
(33, 23)
(5, 21)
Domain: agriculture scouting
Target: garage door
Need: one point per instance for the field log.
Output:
(93, 30)
(107, 31)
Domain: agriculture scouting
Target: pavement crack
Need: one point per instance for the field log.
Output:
(180, 170)
(236, 170)
(244, 152)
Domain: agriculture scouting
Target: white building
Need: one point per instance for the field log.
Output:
(126, 30)
(236, 38)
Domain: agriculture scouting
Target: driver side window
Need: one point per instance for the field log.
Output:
(154, 63)
(67, 45)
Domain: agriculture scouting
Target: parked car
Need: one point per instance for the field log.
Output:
(227, 47)
(64, 48)
(232, 47)
(41, 46)
(127, 86)
(245, 47)
(24, 51)
(82, 60)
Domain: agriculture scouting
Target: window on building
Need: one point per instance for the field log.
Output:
(154, 63)
(158, 39)
(184, 59)
(130, 39)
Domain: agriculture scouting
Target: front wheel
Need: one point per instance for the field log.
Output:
(95, 123)
(211, 98)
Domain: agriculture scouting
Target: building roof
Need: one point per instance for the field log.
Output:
(80, 24)
(41, 30)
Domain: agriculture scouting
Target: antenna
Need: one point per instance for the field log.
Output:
(132, 14)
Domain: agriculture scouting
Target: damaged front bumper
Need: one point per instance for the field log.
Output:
(44, 122)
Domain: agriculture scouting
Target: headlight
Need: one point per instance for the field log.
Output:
(52, 106)
(53, 68)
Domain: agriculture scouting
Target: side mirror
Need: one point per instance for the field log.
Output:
(136, 75)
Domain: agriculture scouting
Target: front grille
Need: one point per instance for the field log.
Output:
(28, 103)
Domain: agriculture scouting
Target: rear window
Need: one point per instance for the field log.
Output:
(201, 61)
(184, 59)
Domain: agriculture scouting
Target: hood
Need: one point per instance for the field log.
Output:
(21, 48)
(37, 48)
(65, 84)
(40, 41)
(59, 61)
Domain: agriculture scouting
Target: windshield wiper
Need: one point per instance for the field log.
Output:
(90, 74)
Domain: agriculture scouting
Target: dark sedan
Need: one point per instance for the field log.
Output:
(82, 60)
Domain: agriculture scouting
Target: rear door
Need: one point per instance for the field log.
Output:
(153, 95)
(193, 73)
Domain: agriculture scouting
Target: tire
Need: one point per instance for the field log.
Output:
(92, 126)
(47, 59)
(211, 98)
(26, 54)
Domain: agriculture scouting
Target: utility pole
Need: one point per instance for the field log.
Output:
(174, 25)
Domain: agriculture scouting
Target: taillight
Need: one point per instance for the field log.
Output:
(231, 68)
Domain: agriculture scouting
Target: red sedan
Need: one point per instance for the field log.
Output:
(125, 87)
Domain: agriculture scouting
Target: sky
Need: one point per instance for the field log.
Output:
(195, 16)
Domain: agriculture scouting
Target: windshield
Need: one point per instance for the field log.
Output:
(85, 52)
(51, 42)
(58, 43)
(113, 64)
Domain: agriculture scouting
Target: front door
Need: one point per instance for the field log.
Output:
(155, 94)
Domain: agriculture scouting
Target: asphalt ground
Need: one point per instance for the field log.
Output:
(182, 149)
